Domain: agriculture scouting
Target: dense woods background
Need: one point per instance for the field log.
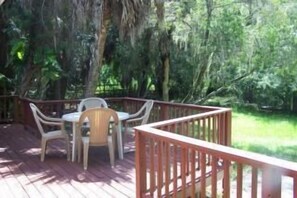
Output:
(221, 52)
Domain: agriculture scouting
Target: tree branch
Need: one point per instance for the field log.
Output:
(222, 88)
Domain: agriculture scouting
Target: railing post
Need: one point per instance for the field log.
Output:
(228, 128)
(226, 179)
(26, 116)
(125, 105)
(271, 183)
(16, 109)
(164, 115)
(295, 186)
(140, 164)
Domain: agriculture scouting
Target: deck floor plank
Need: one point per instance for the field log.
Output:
(117, 178)
(4, 188)
(31, 190)
(41, 174)
(22, 174)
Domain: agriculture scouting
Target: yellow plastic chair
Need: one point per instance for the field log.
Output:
(46, 135)
(102, 131)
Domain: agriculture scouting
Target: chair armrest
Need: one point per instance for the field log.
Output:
(134, 120)
(135, 115)
(52, 123)
(54, 119)
(129, 124)
(141, 111)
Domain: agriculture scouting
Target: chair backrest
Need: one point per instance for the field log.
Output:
(92, 102)
(146, 108)
(99, 120)
(39, 118)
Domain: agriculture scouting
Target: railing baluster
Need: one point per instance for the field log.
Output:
(214, 170)
(198, 129)
(152, 166)
(226, 179)
(183, 171)
(295, 186)
(193, 172)
(160, 169)
(203, 174)
(239, 181)
(203, 129)
(209, 129)
(254, 182)
(175, 170)
(214, 129)
(167, 169)
(222, 127)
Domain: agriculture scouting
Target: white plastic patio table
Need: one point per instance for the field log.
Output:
(74, 118)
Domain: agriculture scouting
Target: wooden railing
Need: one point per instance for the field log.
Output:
(15, 109)
(184, 151)
(8, 109)
(170, 164)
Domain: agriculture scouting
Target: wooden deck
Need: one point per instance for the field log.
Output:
(22, 174)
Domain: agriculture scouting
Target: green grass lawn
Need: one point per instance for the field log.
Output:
(266, 133)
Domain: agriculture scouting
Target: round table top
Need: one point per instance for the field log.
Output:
(74, 117)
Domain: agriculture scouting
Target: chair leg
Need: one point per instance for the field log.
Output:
(111, 151)
(67, 147)
(79, 150)
(124, 139)
(86, 153)
(43, 149)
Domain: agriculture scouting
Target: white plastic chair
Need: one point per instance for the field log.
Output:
(139, 118)
(42, 120)
(101, 132)
(142, 115)
(92, 102)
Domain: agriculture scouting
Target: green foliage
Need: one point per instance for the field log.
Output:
(273, 56)
(243, 51)
(50, 66)
(131, 66)
(18, 49)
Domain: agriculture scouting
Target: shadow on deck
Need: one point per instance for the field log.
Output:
(22, 174)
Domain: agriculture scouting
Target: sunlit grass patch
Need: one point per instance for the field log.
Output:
(266, 133)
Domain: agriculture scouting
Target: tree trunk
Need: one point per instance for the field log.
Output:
(294, 102)
(30, 68)
(164, 42)
(165, 85)
(101, 14)
(7, 72)
(143, 79)
(61, 34)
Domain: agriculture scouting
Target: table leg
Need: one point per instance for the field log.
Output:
(120, 142)
(73, 141)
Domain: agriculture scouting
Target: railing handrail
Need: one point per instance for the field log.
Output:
(186, 118)
(194, 106)
(49, 101)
